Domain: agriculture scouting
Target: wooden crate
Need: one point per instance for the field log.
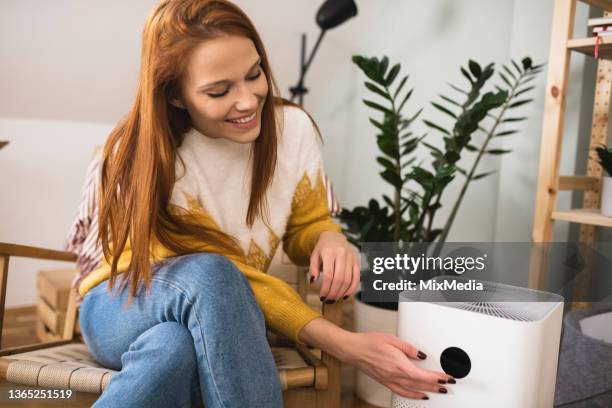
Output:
(52, 302)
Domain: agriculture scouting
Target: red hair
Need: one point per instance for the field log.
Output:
(138, 165)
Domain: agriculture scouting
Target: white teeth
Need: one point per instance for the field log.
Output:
(243, 120)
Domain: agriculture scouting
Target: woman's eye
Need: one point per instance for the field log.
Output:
(218, 95)
(254, 77)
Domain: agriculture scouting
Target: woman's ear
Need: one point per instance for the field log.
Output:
(177, 103)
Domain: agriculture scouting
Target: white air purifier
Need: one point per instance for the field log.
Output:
(501, 343)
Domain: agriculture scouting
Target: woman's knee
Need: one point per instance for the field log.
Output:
(169, 344)
(205, 271)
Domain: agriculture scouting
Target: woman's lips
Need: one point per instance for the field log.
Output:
(246, 122)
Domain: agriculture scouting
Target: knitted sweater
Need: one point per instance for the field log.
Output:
(213, 185)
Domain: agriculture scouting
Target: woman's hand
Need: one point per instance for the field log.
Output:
(337, 260)
(388, 360)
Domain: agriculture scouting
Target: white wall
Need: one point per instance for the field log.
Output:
(69, 70)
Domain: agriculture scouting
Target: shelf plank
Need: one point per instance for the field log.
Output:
(602, 4)
(578, 183)
(588, 216)
(587, 46)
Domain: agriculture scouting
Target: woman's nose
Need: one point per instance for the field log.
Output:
(247, 100)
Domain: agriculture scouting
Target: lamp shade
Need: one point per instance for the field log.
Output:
(335, 12)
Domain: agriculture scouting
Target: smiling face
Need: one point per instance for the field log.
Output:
(224, 89)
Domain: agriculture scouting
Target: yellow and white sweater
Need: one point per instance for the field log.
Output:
(213, 185)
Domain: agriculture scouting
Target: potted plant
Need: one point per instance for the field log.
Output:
(408, 214)
(605, 160)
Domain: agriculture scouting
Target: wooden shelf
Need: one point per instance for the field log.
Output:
(602, 4)
(587, 46)
(578, 183)
(583, 216)
(3, 143)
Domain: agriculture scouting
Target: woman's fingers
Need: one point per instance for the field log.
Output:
(328, 273)
(408, 349)
(422, 386)
(339, 275)
(356, 273)
(417, 373)
(407, 393)
(315, 266)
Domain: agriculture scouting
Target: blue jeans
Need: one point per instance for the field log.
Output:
(198, 336)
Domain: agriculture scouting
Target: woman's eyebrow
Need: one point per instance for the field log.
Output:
(226, 81)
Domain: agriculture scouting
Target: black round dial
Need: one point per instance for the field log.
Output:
(455, 362)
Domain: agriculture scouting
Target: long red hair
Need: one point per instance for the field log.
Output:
(138, 165)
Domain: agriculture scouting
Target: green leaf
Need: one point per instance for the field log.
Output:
(467, 75)
(505, 80)
(443, 109)
(377, 90)
(514, 119)
(376, 106)
(522, 91)
(482, 175)
(432, 147)
(497, 151)
(413, 117)
(475, 68)
(383, 128)
(388, 200)
(388, 147)
(408, 95)
(392, 178)
(422, 176)
(434, 126)
(471, 148)
(449, 100)
(386, 163)
(527, 64)
(384, 63)
(505, 133)
(519, 103)
(400, 86)
(392, 74)
(516, 66)
(456, 88)
(505, 68)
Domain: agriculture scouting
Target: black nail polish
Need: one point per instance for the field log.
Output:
(322, 299)
(330, 302)
(443, 390)
(441, 382)
(421, 355)
(452, 381)
(311, 279)
(425, 397)
(345, 297)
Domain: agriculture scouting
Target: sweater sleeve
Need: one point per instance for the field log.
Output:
(310, 213)
(284, 310)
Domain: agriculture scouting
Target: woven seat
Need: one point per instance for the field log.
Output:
(308, 378)
(70, 366)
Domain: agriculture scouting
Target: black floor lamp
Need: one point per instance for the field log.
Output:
(331, 14)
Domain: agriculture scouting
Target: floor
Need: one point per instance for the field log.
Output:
(19, 329)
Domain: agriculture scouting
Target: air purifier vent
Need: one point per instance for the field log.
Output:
(399, 402)
(495, 299)
(502, 310)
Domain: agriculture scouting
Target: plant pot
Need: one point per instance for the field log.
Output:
(606, 197)
(369, 317)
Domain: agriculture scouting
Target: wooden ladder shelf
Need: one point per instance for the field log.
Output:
(549, 180)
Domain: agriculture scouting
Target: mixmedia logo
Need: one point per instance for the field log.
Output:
(413, 264)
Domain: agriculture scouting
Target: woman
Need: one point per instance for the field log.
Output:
(200, 183)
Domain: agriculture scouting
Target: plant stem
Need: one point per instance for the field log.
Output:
(397, 198)
(468, 179)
